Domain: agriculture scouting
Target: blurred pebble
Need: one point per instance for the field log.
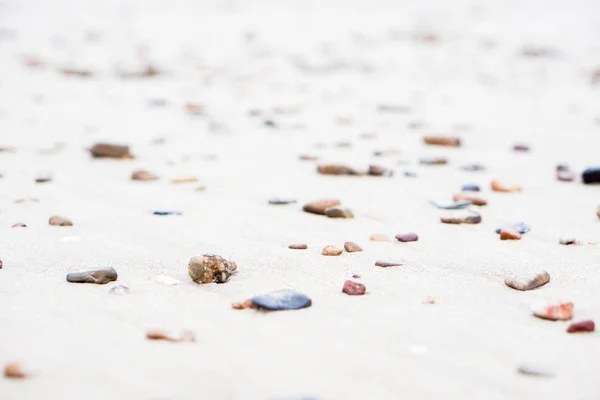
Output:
(591, 175)
(167, 213)
(79, 73)
(186, 336)
(520, 227)
(528, 281)
(307, 157)
(19, 225)
(143, 175)
(476, 201)
(43, 179)
(194, 108)
(158, 102)
(211, 268)
(379, 237)
(336, 169)
(281, 201)
(561, 311)
(535, 370)
(457, 205)
(466, 219)
(509, 234)
(433, 161)
(470, 188)
(356, 276)
(98, 276)
(188, 179)
(57, 220)
(285, 299)
(564, 173)
(568, 240)
(409, 174)
(354, 288)
(582, 326)
(27, 200)
(1, 264)
(338, 212)
(521, 147)
(319, 206)
(429, 300)
(407, 237)
(385, 263)
(166, 280)
(119, 290)
(504, 187)
(442, 141)
(297, 246)
(393, 108)
(331, 251)
(106, 150)
(243, 305)
(270, 123)
(14, 371)
(472, 167)
(374, 170)
(352, 247)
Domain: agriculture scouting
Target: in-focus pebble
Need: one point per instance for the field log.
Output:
(285, 299)
(442, 141)
(98, 276)
(143, 175)
(509, 234)
(338, 212)
(561, 311)
(298, 246)
(407, 237)
(388, 263)
(331, 251)
(528, 281)
(14, 371)
(319, 206)
(505, 187)
(352, 247)
(57, 220)
(119, 290)
(107, 150)
(211, 268)
(582, 326)
(354, 288)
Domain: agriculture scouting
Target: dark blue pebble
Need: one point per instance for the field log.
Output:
(167, 213)
(591, 175)
(410, 174)
(282, 300)
(470, 188)
(520, 227)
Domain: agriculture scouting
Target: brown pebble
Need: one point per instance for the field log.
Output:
(509, 234)
(352, 247)
(186, 336)
(528, 281)
(375, 170)
(106, 150)
(331, 251)
(319, 206)
(57, 220)
(19, 225)
(80, 73)
(379, 237)
(354, 288)
(469, 219)
(407, 237)
(43, 179)
(442, 141)
(211, 268)
(338, 212)
(1, 264)
(14, 371)
(476, 201)
(243, 305)
(187, 179)
(434, 161)
(386, 264)
(582, 326)
(194, 108)
(298, 246)
(143, 175)
(335, 169)
(498, 186)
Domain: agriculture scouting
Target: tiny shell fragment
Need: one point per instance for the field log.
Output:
(106, 150)
(509, 234)
(211, 268)
(319, 206)
(57, 220)
(354, 288)
(528, 281)
(442, 141)
(504, 187)
(331, 251)
(582, 326)
(562, 311)
(14, 371)
(352, 247)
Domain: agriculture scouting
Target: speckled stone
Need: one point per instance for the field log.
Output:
(285, 299)
(97, 276)
(211, 268)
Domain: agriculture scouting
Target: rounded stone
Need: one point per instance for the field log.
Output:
(470, 188)
(354, 288)
(285, 299)
(331, 251)
(352, 247)
(57, 220)
(338, 212)
(319, 206)
(407, 237)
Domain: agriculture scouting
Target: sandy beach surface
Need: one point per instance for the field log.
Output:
(322, 75)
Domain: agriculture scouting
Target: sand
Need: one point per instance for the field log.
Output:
(320, 70)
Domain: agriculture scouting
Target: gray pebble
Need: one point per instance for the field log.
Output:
(98, 276)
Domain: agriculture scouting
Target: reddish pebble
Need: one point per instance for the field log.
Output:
(356, 276)
(319, 206)
(352, 247)
(298, 246)
(582, 326)
(509, 234)
(354, 288)
(331, 251)
(407, 237)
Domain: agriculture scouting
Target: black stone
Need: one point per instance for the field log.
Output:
(591, 175)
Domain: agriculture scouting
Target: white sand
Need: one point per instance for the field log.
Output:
(79, 342)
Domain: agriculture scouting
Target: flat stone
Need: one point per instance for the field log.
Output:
(433, 161)
(14, 371)
(338, 212)
(470, 188)
(591, 175)
(354, 288)
(297, 246)
(119, 290)
(379, 237)
(143, 175)
(407, 237)
(319, 206)
(476, 201)
(505, 187)
(285, 299)
(107, 150)
(560, 311)
(211, 268)
(375, 170)
(166, 212)
(57, 220)
(336, 169)
(279, 201)
(387, 263)
(457, 205)
(466, 219)
(473, 167)
(98, 276)
(528, 281)
(331, 251)
(352, 247)
(509, 234)
(536, 370)
(521, 147)
(442, 141)
(520, 227)
(582, 326)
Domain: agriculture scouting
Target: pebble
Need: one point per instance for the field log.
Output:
(14, 371)
(99, 276)
(336, 169)
(331, 251)
(1, 264)
(535, 370)
(211, 268)
(119, 290)
(521, 147)
(352, 247)
(473, 167)
(442, 141)
(162, 212)
(187, 179)
(520, 227)
(319, 206)
(297, 246)
(504, 187)
(19, 225)
(308, 157)
(568, 240)
(243, 305)
(338, 212)
(356, 276)
(582, 326)
(529, 281)
(564, 173)
(409, 174)
(433, 161)
(467, 219)
(57, 220)
(285, 299)
(43, 179)
(194, 108)
(470, 188)
(27, 200)
(385, 264)
(407, 237)
(186, 336)
(457, 205)
(379, 237)
(591, 175)
(476, 201)
(375, 170)
(143, 175)
(562, 311)
(106, 150)
(278, 201)
(166, 280)
(354, 288)
(509, 234)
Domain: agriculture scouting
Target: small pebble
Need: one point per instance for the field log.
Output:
(19, 225)
(521, 147)
(331, 251)
(211, 268)
(529, 281)
(162, 212)
(509, 234)
(270, 123)
(14, 371)
(285, 299)
(520, 227)
(119, 290)
(568, 240)
(409, 174)
(379, 237)
(591, 175)
(43, 179)
(57, 220)
(564, 173)
(504, 187)
(407, 237)
(194, 108)
(473, 167)
(470, 188)
(352, 247)
(166, 280)
(582, 326)
(143, 175)
(98, 276)
(476, 201)
(335, 169)
(1, 264)
(186, 336)
(106, 150)
(356, 276)
(338, 212)
(442, 141)
(276, 201)
(433, 161)
(319, 206)
(354, 288)
(297, 246)
(374, 170)
(385, 264)
(188, 179)
(535, 370)
(457, 205)
(562, 311)
(308, 157)
(27, 200)
(467, 219)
